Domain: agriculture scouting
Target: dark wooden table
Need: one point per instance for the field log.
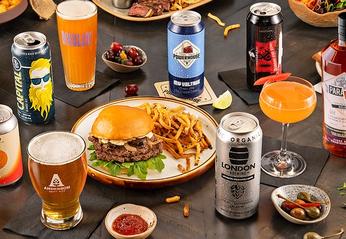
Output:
(300, 42)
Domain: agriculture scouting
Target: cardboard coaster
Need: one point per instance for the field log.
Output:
(206, 98)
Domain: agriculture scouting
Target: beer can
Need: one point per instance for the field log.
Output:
(238, 165)
(33, 76)
(11, 168)
(264, 42)
(185, 41)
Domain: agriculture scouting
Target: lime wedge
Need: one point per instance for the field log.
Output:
(224, 101)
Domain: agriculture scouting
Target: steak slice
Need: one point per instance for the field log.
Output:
(141, 149)
(139, 10)
(163, 4)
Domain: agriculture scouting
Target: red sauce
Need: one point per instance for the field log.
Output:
(129, 224)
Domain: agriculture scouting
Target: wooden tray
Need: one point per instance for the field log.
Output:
(107, 6)
(170, 175)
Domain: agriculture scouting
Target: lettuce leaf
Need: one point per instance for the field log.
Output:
(140, 169)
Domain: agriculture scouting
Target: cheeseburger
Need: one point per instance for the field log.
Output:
(124, 134)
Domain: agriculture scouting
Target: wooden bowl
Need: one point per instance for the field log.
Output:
(308, 16)
(125, 68)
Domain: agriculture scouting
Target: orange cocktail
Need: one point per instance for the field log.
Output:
(77, 29)
(287, 101)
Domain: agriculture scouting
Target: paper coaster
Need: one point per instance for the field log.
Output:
(206, 98)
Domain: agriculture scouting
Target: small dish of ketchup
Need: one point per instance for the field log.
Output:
(130, 221)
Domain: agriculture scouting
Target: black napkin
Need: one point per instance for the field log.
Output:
(77, 99)
(236, 80)
(94, 204)
(315, 159)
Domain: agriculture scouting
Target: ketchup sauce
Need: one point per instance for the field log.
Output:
(129, 224)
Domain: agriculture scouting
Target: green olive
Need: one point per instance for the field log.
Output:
(298, 213)
(313, 212)
(304, 196)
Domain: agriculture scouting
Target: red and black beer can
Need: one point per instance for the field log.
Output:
(264, 42)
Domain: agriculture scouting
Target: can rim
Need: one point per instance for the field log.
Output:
(263, 3)
(39, 34)
(71, 159)
(9, 110)
(239, 114)
(189, 12)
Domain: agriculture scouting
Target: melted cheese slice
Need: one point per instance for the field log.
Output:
(122, 142)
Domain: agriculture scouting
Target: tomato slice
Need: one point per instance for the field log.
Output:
(272, 78)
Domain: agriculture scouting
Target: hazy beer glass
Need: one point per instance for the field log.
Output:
(77, 29)
(58, 170)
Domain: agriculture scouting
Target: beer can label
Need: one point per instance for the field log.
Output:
(186, 63)
(237, 175)
(11, 168)
(34, 85)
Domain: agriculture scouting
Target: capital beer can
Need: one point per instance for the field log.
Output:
(186, 54)
(11, 168)
(33, 76)
(238, 165)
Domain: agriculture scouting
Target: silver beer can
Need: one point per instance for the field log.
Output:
(238, 165)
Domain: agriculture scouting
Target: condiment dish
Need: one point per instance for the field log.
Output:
(144, 212)
(291, 191)
(122, 68)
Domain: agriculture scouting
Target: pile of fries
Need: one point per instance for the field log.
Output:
(180, 4)
(7, 4)
(181, 133)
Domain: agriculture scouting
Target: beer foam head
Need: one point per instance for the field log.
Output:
(56, 147)
(76, 9)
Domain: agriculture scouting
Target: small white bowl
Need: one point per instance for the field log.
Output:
(144, 212)
(125, 68)
(291, 192)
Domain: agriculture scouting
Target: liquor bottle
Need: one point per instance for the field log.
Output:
(334, 92)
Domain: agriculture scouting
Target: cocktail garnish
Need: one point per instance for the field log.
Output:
(272, 78)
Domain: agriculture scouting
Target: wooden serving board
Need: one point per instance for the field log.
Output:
(107, 6)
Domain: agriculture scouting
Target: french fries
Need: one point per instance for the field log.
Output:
(172, 199)
(217, 19)
(186, 210)
(182, 133)
(5, 5)
(230, 28)
(180, 4)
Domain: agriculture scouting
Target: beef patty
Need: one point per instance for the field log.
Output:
(132, 151)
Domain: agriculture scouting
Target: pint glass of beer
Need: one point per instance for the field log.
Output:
(58, 170)
(77, 30)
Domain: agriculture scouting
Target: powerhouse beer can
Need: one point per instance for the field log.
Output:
(238, 165)
(186, 54)
(32, 67)
(264, 42)
(11, 168)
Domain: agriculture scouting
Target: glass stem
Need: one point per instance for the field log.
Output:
(283, 149)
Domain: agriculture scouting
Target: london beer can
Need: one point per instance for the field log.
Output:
(264, 42)
(11, 167)
(33, 76)
(185, 41)
(238, 165)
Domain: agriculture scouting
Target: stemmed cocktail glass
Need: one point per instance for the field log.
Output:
(288, 101)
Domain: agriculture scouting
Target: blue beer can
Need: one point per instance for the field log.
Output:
(186, 34)
(33, 76)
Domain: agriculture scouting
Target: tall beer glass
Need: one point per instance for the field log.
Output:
(58, 170)
(77, 29)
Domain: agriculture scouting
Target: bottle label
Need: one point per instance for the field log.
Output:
(334, 95)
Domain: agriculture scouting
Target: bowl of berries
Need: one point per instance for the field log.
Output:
(124, 58)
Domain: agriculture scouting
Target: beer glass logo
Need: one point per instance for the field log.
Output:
(186, 53)
(56, 185)
(56, 181)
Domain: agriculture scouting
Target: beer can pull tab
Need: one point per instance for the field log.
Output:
(236, 124)
(29, 40)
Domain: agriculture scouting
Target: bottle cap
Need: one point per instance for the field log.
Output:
(342, 26)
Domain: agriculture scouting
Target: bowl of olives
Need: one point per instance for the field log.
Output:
(301, 204)
(124, 58)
